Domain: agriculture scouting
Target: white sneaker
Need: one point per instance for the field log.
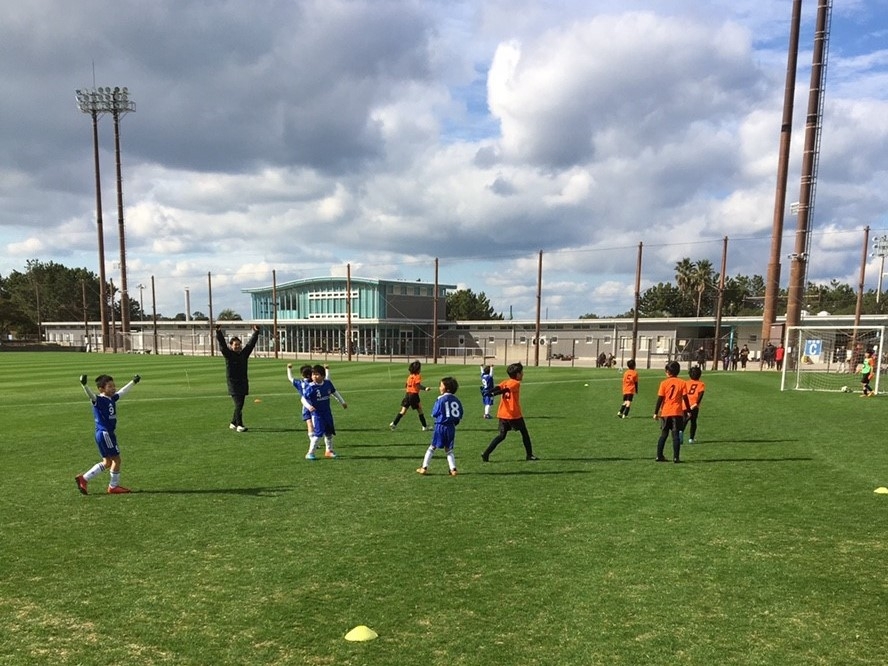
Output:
(392, 426)
(231, 426)
(241, 429)
(425, 428)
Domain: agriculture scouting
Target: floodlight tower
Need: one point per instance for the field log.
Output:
(121, 104)
(92, 102)
(880, 249)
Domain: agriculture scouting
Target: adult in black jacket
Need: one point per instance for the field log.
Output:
(236, 356)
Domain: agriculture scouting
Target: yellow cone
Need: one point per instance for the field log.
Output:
(881, 491)
(361, 633)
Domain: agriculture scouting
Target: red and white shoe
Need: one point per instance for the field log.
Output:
(118, 490)
(81, 484)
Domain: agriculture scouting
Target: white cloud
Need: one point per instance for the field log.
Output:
(303, 136)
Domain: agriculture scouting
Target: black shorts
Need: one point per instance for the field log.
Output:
(411, 401)
(672, 423)
(627, 397)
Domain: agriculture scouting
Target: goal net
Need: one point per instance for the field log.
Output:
(829, 358)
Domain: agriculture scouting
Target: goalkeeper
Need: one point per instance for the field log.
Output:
(104, 404)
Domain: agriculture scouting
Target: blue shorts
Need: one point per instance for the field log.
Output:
(444, 437)
(107, 443)
(322, 425)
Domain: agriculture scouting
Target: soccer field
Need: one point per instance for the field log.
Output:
(767, 546)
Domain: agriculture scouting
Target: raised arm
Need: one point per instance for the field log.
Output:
(87, 389)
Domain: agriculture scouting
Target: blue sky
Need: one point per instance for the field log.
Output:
(303, 136)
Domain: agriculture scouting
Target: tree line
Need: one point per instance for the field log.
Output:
(695, 293)
(47, 291)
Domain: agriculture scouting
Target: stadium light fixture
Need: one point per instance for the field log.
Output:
(880, 249)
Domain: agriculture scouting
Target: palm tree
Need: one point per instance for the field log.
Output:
(701, 278)
(684, 271)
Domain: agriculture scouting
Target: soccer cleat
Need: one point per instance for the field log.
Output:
(310, 456)
(425, 428)
(485, 457)
(531, 457)
(329, 454)
(392, 426)
(241, 428)
(453, 472)
(231, 426)
(676, 460)
(81, 483)
(690, 441)
(117, 490)
(422, 470)
(661, 459)
(488, 416)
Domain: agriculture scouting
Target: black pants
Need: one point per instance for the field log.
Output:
(237, 419)
(673, 425)
(691, 423)
(505, 425)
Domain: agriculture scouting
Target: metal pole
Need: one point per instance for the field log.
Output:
(637, 301)
(124, 295)
(103, 293)
(799, 267)
(721, 296)
(154, 315)
(536, 347)
(435, 318)
(772, 285)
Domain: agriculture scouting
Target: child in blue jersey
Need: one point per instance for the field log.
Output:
(104, 405)
(300, 385)
(447, 413)
(316, 399)
(486, 388)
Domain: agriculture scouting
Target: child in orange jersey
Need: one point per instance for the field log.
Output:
(630, 388)
(695, 388)
(509, 412)
(411, 398)
(672, 406)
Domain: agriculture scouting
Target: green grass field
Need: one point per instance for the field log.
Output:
(766, 547)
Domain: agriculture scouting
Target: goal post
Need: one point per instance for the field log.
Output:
(828, 358)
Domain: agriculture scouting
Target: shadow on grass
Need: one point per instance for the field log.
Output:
(272, 491)
(703, 443)
(752, 460)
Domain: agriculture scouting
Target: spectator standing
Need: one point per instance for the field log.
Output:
(237, 355)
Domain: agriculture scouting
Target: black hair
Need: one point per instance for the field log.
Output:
(450, 385)
(414, 367)
(235, 339)
(319, 370)
(102, 380)
(630, 364)
(514, 370)
(486, 369)
(695, 373)
(673, 368)
(305, 371)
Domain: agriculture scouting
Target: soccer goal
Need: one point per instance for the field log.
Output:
(829, 358)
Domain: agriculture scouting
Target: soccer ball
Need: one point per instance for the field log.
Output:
(845, 389)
